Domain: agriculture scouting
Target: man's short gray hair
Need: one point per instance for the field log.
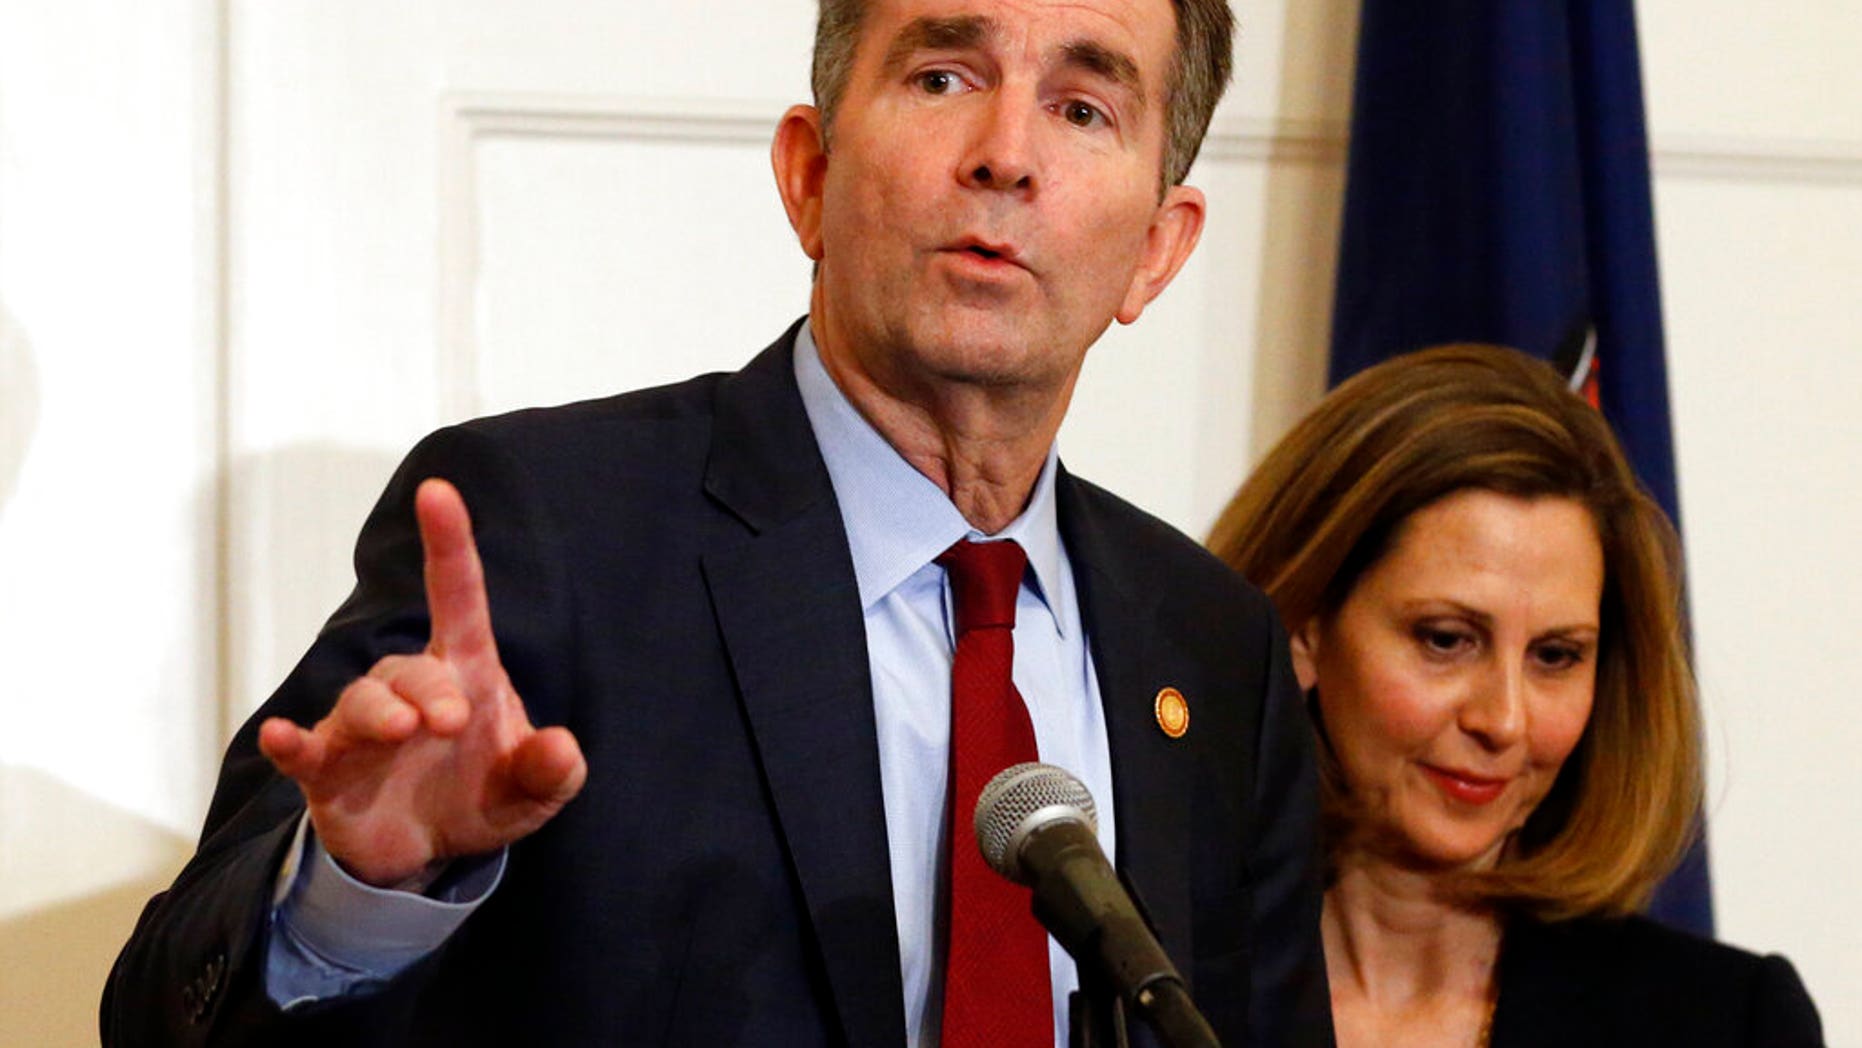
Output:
(1199, 72)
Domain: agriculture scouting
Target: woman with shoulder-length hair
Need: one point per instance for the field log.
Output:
(1484, 609)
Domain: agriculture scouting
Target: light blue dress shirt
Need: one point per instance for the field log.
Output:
(333, 934)
(898, 521)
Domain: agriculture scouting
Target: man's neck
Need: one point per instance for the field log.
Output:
(984, 446)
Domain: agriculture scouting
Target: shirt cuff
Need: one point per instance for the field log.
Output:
(343, 933)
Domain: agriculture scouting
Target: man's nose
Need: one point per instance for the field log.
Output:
(1001, 150)
(1495, 711)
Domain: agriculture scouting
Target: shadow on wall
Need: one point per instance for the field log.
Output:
(57, 944)
(1304, 206)
(75, 871)
(19, 403)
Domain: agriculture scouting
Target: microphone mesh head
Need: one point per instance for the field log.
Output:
(1021, 799)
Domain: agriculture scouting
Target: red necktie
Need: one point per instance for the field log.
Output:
(996, 989)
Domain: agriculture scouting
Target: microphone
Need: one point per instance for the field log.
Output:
(1037, 825)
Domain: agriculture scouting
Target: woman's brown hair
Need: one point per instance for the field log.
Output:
(1326, 502)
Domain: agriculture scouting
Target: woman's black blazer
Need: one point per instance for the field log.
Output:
(1599, 981)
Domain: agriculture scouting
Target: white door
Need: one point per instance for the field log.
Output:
(440, 210)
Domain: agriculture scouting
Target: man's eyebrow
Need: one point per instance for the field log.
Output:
(956, 33)
(1100, 60)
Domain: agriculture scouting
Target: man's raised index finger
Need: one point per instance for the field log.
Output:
(455, 579)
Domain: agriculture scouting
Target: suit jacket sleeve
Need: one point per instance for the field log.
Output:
(193, 970)
(1289, 1002)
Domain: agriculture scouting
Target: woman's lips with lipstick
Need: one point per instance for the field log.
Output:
(1465, 787)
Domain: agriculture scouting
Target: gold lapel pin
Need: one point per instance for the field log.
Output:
(1173, 712)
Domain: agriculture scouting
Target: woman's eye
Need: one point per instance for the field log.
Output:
(1439, 641)
(1560, 656)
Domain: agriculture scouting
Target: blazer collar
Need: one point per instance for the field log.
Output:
(1134, 658)
(789, 612)
(1548, 983)
(764, 466)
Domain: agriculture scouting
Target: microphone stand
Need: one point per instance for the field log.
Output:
(1097, 1014)
(1167, 1007)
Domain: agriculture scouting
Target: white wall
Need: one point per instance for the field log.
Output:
(109, 722)
(1756, 114)
(248, 250)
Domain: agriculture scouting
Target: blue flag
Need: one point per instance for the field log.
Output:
(1498, 191)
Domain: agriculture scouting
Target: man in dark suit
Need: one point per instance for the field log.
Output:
(722, 602)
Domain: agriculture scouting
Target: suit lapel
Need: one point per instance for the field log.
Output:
(789, 611)
(1548, 976)
(1151, 773)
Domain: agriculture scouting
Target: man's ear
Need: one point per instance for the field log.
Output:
(799, 156)
(1175, 228)
(1305, 646)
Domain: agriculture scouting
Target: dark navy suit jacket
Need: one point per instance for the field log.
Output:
(669, 577)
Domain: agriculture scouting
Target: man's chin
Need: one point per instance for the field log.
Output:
(987, 354)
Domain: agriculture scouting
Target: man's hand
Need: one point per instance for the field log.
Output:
(430, 756)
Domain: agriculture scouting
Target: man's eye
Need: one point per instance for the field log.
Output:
(1080, 114)
(938, 81)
